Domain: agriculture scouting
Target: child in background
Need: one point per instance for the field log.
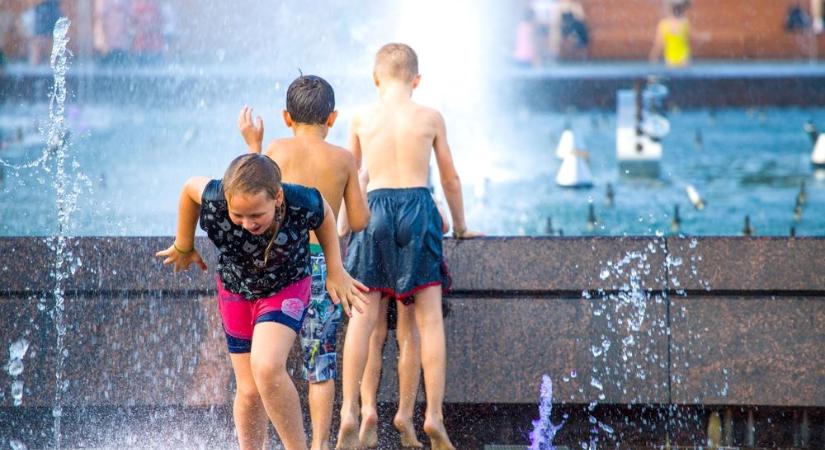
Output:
(526, 52)
(673, 37)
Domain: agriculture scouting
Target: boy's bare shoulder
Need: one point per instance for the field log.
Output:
(364, 112)
(430, 114)
(279, 145)
(288, 149)
(340, 155)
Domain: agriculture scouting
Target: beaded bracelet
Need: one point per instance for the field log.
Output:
(181, 251)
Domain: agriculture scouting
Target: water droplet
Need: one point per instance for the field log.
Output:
(18, 349)
(15, 367)
(17, 392)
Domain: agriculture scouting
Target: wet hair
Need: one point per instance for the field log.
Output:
(310, 100)
(251, 174)
(397, 61)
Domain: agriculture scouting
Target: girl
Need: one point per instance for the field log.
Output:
(261, 229)
(673, 37)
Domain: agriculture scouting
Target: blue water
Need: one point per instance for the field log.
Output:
(133, 160)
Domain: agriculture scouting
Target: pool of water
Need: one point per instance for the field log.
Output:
(129, 162)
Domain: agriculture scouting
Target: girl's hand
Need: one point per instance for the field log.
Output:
(347, 291)
(252, 132)
(181, 260)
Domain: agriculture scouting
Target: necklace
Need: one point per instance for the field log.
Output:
(277, 221)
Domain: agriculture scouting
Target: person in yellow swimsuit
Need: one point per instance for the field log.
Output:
(673, 37)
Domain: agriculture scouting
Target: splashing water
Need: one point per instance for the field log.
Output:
(17, 351)
(543, 429)
(626, 313)
(66, 204)
(56, 132)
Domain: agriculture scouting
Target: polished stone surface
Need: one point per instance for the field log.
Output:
(748, 264)
(140, 335)
(542, 264)
(748, 350)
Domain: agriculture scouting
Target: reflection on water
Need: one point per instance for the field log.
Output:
(137, 157)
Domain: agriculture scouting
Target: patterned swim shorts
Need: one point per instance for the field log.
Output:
(320, 328)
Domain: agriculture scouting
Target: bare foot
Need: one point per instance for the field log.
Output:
(438, 435)
(406, 432)
(348, 434)
(369, 429)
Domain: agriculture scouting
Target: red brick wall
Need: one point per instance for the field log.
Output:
(620, 29)
(734, 29)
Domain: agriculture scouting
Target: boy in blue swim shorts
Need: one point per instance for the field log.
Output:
(400, 254)
(307, 159)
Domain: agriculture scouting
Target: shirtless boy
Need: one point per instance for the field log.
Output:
(399, 253)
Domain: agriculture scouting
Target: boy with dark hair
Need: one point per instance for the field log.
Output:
(399, 254)
(307, 159)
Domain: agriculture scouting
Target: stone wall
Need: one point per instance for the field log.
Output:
(723, 321)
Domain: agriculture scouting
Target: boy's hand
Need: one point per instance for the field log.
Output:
(181, 260)
(347, 291)
(466, 234)
(253, 133)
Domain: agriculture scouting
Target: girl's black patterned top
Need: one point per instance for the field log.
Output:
(241, 261)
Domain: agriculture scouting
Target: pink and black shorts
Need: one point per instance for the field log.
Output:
(240, 315)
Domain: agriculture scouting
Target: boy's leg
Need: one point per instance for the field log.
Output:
(321, 398)
(271, 344)
(356, 348)
(434, 361)
(318, 341)
(247, 410)
(409, 374)
(368, 435)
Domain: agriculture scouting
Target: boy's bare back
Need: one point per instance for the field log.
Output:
(310, 161)
(395, 137)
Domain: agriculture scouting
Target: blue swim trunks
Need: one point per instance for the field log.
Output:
(320, 329)
(399, 253)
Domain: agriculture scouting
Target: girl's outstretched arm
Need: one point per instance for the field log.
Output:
(182, 252)
(342, 288)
